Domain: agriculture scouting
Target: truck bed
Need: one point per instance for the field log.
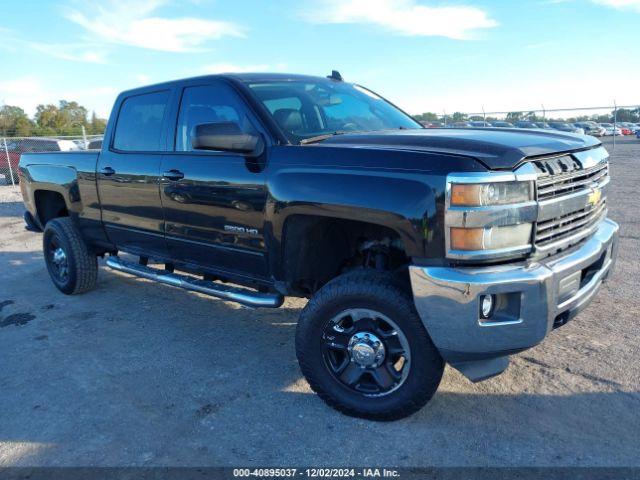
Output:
(79, 160)
(70, 175)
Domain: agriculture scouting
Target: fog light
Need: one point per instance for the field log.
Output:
(486, 306)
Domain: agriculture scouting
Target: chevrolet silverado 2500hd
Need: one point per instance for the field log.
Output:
(415, 246)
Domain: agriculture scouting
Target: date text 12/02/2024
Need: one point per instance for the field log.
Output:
(317, 472)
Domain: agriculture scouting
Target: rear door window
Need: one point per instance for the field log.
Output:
(140, 123)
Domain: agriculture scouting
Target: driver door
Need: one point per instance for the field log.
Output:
(213, 201)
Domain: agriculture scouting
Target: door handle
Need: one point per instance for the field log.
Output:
(173, 175)
(107, 171)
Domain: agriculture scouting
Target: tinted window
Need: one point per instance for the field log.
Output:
(139, 127)
(306, 109)
(280, 103)
(208, 104)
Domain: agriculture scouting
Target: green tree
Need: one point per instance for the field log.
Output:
(513, 116)
(627, 115)
(14, 121)
(427, 117)
(47, 117)
(67, 118)
(532, 117)
(96, 125)
(458, 117)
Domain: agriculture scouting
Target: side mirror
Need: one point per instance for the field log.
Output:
(226, 137)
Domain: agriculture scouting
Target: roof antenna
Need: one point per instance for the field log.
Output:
(335, 75)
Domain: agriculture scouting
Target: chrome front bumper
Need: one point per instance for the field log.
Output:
(531, 299)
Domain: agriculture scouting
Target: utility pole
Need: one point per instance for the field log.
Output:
(615, 122)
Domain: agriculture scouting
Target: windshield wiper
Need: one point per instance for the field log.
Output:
(319, 138)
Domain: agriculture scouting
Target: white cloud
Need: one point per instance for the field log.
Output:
(562, 91)
(620, 4)
(234, 68)
(405, 17)
(135, 23)
(75, 52)
(27, 92)
(143, 79)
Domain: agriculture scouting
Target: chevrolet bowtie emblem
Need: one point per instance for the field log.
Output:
(594, 197)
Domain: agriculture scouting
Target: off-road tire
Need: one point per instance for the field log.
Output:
(379, 292)
(82, 263)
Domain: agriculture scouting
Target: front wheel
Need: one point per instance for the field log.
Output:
(364, 350)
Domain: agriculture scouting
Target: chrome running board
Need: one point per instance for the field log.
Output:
(239, 295)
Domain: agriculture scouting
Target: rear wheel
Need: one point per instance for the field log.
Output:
(71, 265)
(364, 350)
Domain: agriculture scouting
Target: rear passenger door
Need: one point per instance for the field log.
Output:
(128, 174)
(214, 201)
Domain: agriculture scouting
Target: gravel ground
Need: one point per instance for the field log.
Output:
(140, 374)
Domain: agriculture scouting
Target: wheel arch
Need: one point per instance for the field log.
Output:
(50, 183)
(49, 204)
(317, 248)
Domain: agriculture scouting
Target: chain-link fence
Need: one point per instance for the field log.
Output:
(612, 121)
(11, 148)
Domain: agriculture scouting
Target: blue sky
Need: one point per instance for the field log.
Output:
(424, 55)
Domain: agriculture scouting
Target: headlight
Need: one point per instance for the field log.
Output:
(498, 193)
(490, 238)
(490, 215)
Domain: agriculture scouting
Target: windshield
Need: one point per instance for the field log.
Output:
(307, 109)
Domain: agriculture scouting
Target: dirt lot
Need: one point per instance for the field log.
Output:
(140, 374)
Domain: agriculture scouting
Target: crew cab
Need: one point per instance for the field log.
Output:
(416, 247)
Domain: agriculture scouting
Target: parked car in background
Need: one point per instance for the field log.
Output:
(503, 124)
(480, 123)
(579, 129)
(461, 125)
(631, 126)
(638, 133)
(15, 148)
(610, 129)
(625, 130)
(566, 127)
(95, 144)
(524, 124)
(9, 162)
(591, 128)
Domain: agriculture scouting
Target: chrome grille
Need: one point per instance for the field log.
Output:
(567, 225)
(572, 200)
(552, 185)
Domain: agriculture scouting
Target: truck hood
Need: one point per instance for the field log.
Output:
(497, 148)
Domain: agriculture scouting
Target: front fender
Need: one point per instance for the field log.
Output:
(405, 203)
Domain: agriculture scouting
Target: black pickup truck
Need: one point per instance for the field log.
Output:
(415, 246)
